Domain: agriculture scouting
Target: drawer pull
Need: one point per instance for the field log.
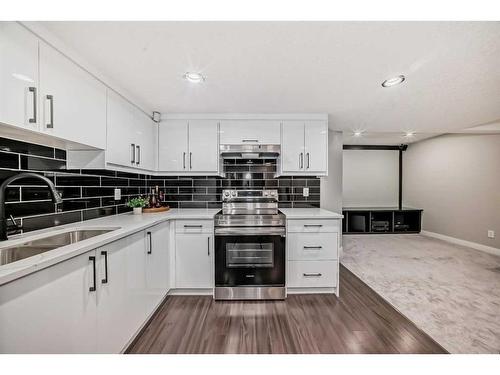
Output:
(193, 226)
(313, 225)
(312, 274)
(313, 247)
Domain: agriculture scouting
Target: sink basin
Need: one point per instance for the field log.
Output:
(42, 245)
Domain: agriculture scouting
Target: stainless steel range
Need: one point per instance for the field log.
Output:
(250, 246)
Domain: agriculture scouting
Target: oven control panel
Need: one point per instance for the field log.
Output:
(250, 195)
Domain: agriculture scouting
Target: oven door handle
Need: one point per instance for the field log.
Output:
(251, 232)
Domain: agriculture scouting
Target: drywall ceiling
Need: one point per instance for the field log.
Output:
(452, 69)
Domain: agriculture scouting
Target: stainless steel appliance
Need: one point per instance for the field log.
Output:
(250, 246)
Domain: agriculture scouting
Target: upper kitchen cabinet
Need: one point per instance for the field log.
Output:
(131, 135)
(304, 148)
(18, 76)
(237, 132)
(189, 146)
(72, 102)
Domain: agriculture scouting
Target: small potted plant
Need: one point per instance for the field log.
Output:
(137, 204)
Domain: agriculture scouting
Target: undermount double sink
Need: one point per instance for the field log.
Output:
(41, 245)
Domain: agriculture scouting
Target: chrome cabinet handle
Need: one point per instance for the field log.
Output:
(138, 148)
(50, 125)
(250, 140)
(105, 280)
(183, 160)
(190, 160)
(313, 247)
(312, 274)
(307, 155)
(93, 287)
(193, 226)
(33, 119)
(150, 251)
(132, 158)
(208, 245)
(313, 225)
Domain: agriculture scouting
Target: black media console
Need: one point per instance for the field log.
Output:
(373, 220)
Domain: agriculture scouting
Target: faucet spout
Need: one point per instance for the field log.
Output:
(56, 198)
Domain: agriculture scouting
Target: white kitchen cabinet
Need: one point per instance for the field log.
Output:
(18, 76)
(188, 146)
(304, 148)
(131, 135)
(52, 310)
(72, 102)
(157, 263)
(194, 254)
(250, 132)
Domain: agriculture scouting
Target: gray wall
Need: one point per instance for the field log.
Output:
(456, 180)
(370, 178)
(331, 186)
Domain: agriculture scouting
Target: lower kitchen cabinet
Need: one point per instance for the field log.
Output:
(194, 255)
(51, 311)
(93, 303)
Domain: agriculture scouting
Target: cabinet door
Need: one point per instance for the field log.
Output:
(316, 146)
(18, 76)
(147, 140)
(193, 261)
(51, 311)
(157, 263)
(292, 147)
(173, 146)
(120, 148)
(73, 102)
(121, 307)
(250, 132)
(203, 146)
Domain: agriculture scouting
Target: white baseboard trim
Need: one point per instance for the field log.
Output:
(458, 241)
(191, 292)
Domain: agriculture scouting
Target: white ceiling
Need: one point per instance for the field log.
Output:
(452, 69)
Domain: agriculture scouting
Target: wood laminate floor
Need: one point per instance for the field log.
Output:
(360, 321)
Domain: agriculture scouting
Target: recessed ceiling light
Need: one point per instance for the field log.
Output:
(358, 133)
(393, 81)
(194, 77)
(409, 134)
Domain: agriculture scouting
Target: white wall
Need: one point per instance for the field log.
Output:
(331, 186)
(456, 180)
(370, 178)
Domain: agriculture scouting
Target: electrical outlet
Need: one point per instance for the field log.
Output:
(118, 194)
(491, 233)
(305, 192)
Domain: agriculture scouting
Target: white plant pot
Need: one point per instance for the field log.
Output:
(137, 210)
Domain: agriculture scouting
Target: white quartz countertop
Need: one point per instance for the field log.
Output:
(122, 225)
(309, 213)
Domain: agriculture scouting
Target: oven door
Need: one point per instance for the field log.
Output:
(250, 260)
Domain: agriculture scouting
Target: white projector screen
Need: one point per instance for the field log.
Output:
(370, 178)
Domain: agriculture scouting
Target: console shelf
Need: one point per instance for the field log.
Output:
(372, 220)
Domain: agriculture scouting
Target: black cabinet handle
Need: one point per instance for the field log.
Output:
(190, 160)
(312, 274)
(150, 251)
(92, 288)
(132, 154)
(33, 120)
(307, 160)
(208, 245)
(313, 247)
(250, 140)
(313, 225)
(183, 160)
(193, 226)
(138, 155)
(105, 280)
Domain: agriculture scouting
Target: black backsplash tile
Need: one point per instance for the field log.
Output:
(10, 161)
(89, 194)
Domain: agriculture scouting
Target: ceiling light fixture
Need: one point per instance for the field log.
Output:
(393, 81)
(409, 134)
(194, 77)
(358, 133)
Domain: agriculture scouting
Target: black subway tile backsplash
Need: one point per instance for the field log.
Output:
(89, 194)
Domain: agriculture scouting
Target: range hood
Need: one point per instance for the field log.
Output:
(253, 151)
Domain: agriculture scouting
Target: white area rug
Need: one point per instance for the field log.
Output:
(449, 291)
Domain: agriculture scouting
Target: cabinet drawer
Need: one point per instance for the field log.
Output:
(313, 226)
(313, 246)
(194, 226)
(312, 274)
